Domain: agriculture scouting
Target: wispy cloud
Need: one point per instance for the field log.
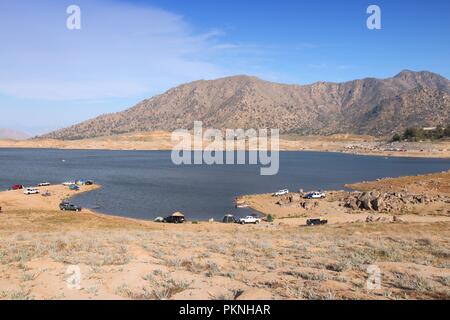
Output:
(121, 50)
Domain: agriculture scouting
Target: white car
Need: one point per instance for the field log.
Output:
(31, 191)
(280, 193)
(249, 219)
(44, 184)
(315, 195)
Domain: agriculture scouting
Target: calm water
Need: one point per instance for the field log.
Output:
(145, 184)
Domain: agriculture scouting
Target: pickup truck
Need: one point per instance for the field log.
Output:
(249, 219)
(315, 195)
(316, 222)
(280, 193)
(65, 206)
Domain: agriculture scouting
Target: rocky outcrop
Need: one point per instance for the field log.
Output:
(373, 219)
(388, 201)
(297, 199)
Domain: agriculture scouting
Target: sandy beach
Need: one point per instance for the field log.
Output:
(121, 258)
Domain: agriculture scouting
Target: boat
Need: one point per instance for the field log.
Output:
(68, 183)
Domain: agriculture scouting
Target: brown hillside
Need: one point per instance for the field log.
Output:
(367, 106)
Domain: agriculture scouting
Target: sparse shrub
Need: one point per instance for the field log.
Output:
(412, 282)
(212, 269)
(169, 289)
(337, 267)
(28, 276)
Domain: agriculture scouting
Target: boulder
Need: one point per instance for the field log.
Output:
(378, 204)
(364, 201)
(352, 204)
(307, 205)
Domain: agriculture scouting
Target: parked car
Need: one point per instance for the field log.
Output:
(44, 184)
(74, 187)
(31, 191)
(174, 219)
(280, 193)
(66, 206)
(315, 195)
(17, 187)
(316, 222)
(249, 219)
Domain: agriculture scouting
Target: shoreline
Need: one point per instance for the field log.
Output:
(412, 155)
(161, 141)
(264, 204)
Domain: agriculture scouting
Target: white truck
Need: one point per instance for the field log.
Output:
(249, 220)
(31, 191)
(316, 195)
(280, 193)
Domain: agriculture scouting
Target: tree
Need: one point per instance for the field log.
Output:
(396, 138)
(447, 131)
(412, 134)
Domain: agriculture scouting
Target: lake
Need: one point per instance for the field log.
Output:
(145, 184)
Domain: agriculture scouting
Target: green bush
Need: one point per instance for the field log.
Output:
(396, 138)
(269, 218)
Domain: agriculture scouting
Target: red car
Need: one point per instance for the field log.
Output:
(17, 187)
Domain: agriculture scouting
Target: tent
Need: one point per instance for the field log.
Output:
(229, 218)
(178, 214)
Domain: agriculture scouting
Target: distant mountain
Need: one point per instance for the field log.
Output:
(366, 106)
(10, 134)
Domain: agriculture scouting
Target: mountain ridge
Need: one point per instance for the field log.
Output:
(11, 134)
(364, 106)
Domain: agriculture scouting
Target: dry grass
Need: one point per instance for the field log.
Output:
(124, 258)
(299, 263)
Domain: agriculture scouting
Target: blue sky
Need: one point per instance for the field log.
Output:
(51, 77)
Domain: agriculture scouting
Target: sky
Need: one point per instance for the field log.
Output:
(126, 51)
